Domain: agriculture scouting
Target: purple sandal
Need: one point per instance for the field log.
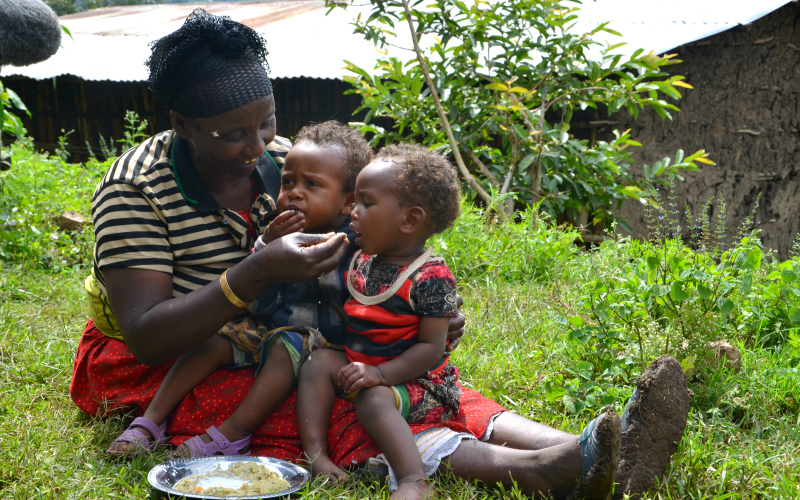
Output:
(219, 445)
(141, 443)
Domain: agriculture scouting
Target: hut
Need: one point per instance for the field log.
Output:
(744, 111)
(99, 73)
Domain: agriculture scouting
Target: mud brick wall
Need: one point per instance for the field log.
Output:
(744, 111)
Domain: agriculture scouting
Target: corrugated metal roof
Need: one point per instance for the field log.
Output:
(112, 43)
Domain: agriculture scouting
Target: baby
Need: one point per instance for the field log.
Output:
(316, 196)
(394, 364)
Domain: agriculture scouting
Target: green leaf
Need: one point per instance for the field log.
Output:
(754, 258)
(497, 86)
(703, 291)
(526, 162)
(652, 262)
(678, 293)
(794, 315)
(725, 306)
(660, 290)
(788, 276)
(747, 283)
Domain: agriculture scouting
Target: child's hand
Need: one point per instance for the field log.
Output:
(286, 223)
(357, 375)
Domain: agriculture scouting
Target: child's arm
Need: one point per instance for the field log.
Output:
(414, 362)
(287, 222)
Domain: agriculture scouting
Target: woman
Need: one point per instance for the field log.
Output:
(175, 218)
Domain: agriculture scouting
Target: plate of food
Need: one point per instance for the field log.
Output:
(228, 477)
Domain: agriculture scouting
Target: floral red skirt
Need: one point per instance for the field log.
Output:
(107, 378)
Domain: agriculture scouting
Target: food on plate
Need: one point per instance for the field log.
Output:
(257, 480)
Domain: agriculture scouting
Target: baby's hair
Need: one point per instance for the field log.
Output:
(357, 152)
(425, 179)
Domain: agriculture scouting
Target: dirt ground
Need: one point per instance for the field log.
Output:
(744, 111)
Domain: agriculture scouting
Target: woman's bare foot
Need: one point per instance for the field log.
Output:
(414, 489)
(323, 466)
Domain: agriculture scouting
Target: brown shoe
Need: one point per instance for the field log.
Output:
(600, 448)
(652, 426)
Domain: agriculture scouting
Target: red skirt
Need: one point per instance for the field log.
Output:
(107, 378)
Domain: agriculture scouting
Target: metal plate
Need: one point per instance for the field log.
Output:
(164, 476)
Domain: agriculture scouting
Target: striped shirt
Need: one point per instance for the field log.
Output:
(377, 333)
(151, 211)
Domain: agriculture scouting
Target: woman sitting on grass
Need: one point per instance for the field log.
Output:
(175, 218)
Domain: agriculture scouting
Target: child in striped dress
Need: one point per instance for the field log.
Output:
(402, 297)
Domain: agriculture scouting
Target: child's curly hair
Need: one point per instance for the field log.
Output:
(425, 179)
(357, 152)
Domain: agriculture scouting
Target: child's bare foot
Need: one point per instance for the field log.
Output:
(323, 466)
(414, 489)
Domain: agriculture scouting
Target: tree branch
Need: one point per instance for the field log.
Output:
(442, 116)
(485, 171)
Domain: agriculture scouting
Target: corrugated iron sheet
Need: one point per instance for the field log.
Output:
(112, 43)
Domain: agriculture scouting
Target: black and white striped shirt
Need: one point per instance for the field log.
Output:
(151, 211)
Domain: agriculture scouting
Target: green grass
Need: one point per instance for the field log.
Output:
(742, 440)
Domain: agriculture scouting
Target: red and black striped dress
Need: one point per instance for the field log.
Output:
(377, 333)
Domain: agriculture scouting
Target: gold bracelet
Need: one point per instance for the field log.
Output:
(226, 289)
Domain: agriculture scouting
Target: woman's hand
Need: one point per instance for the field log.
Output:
(297, 257)
(456, 328)
(157, 327)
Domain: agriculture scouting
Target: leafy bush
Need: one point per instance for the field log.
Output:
(498, 84)
(478, 248)
(34, 194)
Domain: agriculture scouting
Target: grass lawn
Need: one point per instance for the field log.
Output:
(742, 439)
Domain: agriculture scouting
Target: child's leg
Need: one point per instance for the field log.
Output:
(187, 373)
(377, 412)
(316, 394)
(271, 387)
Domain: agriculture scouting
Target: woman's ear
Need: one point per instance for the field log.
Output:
(349, 204)
(414, 220)
(180, 124)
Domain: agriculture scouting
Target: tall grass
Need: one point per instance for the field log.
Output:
(742, 441)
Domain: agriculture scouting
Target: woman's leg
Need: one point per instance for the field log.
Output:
(515, 431)
(376, 410)
(187, 373)
(316, 394)
(555, 469)
(271, 387)
(543, 460)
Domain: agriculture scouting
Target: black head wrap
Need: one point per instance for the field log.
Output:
(211, 65)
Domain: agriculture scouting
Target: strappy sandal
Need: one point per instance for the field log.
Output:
(219, 445)
(141, 443)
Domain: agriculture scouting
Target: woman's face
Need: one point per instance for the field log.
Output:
(232, 142)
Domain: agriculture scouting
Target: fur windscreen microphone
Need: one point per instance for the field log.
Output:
(29, 32)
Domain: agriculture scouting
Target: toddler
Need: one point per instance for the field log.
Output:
(316, 195)
(394, 364)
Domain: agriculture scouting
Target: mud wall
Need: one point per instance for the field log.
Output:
(744, 111)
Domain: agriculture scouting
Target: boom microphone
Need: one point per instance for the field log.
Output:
(29, 32)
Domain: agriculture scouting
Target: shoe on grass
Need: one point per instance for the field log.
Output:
(652, 426)
(600, 451)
